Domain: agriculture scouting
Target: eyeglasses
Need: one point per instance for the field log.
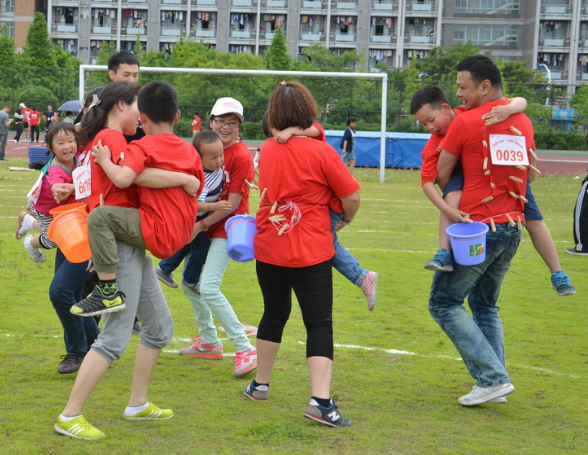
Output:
(222, 124)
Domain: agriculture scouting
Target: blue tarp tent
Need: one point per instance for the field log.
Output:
(403, 150)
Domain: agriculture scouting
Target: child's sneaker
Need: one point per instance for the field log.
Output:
(193, 287)
(204, 351)
(245, 362)
(442, 262)
(25, 224)
(327, 416)
(369, 286)
(166, 278)
(259, 393)
(152, 412)
(99, 303)
(560, 281)
(35, 253)
(78, 428)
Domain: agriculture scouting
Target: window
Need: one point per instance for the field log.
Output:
(486, 35)
(486, 6)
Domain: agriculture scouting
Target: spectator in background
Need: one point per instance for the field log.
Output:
(68, 117)
(26, 114)
(195, 124)
(34, 120)
(348, 143)
(18, 121)
(4, 123)
(580, 227)
(50, 117)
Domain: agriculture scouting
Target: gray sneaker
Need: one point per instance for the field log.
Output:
(193, 287)
(480, 395)
(35, 253)
(327, 416)
(166, 278)
(259, 393)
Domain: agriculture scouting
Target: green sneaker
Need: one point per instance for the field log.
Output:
(151, 413)
(78, 428)
(99, 303)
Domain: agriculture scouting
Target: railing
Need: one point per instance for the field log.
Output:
(174, 2)
(243, 34)
(384, 5)
(196, 3)
(345, 5)
(345, 37)
(245, 3)
(382, 38)
(172, 31)
(312, 36)
(133, 31)
(65, 28)
(556, 9)
(415, 5)
(104, 30)
(419, 39)
(315, 4)
(275, 4)
(204, 33)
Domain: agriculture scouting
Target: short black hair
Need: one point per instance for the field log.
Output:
(196, 113)
(57, 128)
(159, 101)
(68, 113)
(122, 57)
(428, 94)
(204, 137)
(481, 68)
(8, 105)
(351, 120)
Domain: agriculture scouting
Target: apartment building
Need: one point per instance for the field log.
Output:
(552, 35)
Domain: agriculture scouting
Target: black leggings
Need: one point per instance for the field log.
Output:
(313, 286)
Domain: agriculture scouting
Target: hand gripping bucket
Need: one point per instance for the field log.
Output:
(468, 241)
(69, 230)
(240, 233)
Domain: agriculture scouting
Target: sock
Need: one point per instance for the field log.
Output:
(132, 410)
(108, 287)
(67, 419)
(257, 384)
(324, 402)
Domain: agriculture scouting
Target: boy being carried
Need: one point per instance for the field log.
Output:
(432, 109)
(210, 148)
(165, 219)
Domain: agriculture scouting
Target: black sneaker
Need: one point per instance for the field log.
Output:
(137, 327)
(327, 416)
(575, 251)
(259, 393)
(98, 303)
(70, 364)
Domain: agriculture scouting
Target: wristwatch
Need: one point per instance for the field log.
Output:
(203, 226)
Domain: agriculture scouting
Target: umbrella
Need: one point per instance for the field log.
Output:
(73, 105)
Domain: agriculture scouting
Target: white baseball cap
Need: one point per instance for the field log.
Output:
(227, 105)
(21, 105)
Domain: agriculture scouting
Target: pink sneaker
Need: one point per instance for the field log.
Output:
(369, 287)
(203, 351)
(245, 362)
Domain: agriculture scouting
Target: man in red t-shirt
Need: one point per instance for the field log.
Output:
(495, 162)
(26, 116)
(196, 124)
(34, 119)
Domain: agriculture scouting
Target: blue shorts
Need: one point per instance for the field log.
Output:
(456, 181)
(349, 155)
(531, 211)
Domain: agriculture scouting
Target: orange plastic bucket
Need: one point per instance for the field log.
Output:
(81, 206)
(69, 230)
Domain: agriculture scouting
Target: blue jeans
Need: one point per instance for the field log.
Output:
(198, 250)
(344, 261)
(64, 292)
(478, 338)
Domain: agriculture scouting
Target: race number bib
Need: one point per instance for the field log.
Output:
(36, 190)
(82, 179)
(508, 150)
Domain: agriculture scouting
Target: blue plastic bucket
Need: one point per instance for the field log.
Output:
(240, 233)
(468, 241)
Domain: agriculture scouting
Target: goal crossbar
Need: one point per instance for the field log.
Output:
(382, 76)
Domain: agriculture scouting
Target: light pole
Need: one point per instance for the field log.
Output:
(543, 65)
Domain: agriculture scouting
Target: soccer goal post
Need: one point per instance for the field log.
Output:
(374, 76)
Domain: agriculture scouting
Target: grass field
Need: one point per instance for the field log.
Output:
(397, 375)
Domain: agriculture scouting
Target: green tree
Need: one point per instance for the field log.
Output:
(579, 102)
(276, 55)
(38, 48)
(439, 66)
(7, 49)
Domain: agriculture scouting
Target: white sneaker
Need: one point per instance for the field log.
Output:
(35, 253)
(498, 400)
(480, 395)
(369, 286)
(25, 224)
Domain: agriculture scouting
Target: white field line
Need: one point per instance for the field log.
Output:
(187, 341)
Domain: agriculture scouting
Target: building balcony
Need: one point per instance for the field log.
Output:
(313, 37)
(204, 3)
(582, 76)
(383, 39)
(243, 3)
(554, 42)
(65, 28)
(173, 31)
(345, 37)
(133, 31)
(243, 34)
(312, 4)
(104, 30)
(135, 2)
(420, 6)
(275, 4)
(383, 5)
(174, 2)
(419, 39)
(556, 9)
(205, 33)
(347, 5)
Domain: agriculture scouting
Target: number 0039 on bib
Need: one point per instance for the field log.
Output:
(508, 150)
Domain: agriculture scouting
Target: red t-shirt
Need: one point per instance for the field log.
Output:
(430, 154)
(34, 118)
(26, 114)
(101, 184)
(196, 124)
(305, 172)
(465, 139)
(238, 168)
(167, 214)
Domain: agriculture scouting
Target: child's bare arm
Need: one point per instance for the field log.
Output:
(234, 199)
(121, 176)
(61, 191)
(445, 165)
(453, 214)
(501, 113)
(160, 178)
(283, 136)
(218, 206)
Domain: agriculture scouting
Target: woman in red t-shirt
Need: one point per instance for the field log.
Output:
(294, 244)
